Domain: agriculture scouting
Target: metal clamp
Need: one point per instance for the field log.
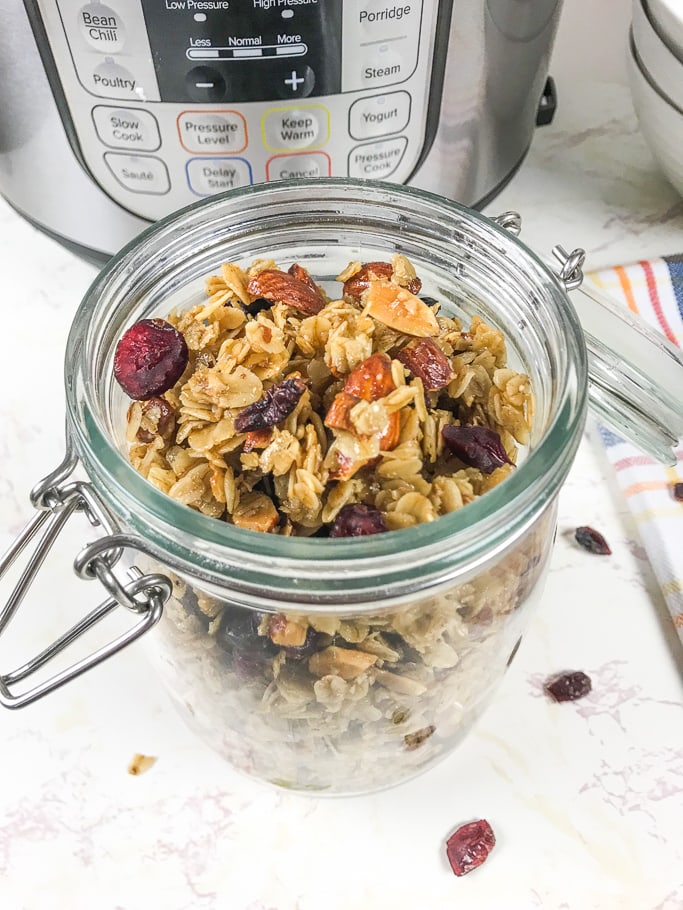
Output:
(144, 595)
(571, 273)
(510, 221)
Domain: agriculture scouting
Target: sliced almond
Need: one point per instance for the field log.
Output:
(280, 287)
(396, 307)
(388, 438)
(343, 662)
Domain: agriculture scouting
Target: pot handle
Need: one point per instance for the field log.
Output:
(142, 594)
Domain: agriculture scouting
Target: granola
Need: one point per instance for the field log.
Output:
(305, 412)
(294, 404)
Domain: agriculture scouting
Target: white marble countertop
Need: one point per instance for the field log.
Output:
(586, 798)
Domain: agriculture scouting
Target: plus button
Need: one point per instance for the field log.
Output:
(294, 80)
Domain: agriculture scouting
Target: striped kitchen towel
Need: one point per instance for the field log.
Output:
(654, 289)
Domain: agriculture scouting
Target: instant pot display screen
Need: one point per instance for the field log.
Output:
(216, 50)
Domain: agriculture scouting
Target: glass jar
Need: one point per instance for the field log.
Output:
(408, 633)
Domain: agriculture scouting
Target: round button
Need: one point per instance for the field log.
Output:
(293, 81)
(205, 84)
(113, 81)
(102, 28)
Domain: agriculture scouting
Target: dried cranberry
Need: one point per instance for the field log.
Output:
(677, 490)
(278, 402)
(257, 305)
(469, 846)
(592, 540)
(479, 447)
(569, 686)
(150, 358)
(357, 520)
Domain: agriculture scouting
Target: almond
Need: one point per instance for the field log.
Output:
(388, 438)
(285, 632)
(298, 271)
(399, 309)
(369, 271)
(338, 415)
(257, 439)
(256, 512)
(372, 271)
(343, 662)
(283, 288)
(424, 359)
(371, 379)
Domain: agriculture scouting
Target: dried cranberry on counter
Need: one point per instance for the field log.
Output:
(149, 358)
(479, 447)
(277, 403)
(357, 520)
(469, 846)
(592, 540)
(568, 686)
(677, 490)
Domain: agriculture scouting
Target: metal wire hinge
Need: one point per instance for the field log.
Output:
(144, 595)
(571, 271)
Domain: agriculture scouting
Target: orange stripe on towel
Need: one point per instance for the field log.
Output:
(643, 485)
(625, 283)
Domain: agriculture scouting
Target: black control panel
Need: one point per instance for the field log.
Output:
(213, 51)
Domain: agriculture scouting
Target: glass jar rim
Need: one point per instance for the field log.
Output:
(303, 566)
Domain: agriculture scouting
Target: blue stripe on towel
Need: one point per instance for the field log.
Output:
(675, 266)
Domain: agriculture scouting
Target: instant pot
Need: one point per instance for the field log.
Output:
(114, 114)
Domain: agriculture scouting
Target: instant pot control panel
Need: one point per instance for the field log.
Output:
(172, 100)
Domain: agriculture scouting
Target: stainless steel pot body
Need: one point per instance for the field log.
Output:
(113, 115)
